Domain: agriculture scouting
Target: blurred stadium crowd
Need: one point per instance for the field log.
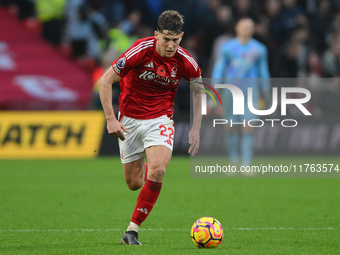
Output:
(302, 36)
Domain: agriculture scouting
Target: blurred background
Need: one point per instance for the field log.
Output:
(52, 54)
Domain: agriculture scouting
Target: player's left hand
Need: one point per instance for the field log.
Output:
(194, 141)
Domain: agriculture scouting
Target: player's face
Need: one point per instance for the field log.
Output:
(167, 43)
(245, 28)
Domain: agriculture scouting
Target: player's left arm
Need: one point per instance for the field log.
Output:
(196, 87)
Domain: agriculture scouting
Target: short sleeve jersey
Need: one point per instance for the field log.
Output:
(149, 81)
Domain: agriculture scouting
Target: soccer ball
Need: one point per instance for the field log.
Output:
(207, 232)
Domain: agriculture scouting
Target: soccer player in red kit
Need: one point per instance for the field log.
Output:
(149, 72)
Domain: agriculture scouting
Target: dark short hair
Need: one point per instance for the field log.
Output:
(170, 20)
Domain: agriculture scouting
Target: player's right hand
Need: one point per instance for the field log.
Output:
(115, 128)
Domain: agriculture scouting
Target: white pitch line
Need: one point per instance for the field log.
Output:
(84, 230)
(158, 229)
(283, 228)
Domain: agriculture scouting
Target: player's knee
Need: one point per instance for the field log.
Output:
(134, 184)
(156, 174)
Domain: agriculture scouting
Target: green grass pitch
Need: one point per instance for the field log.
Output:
(84, 207)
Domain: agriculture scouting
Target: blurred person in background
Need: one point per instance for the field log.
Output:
(114, 11)
(107, 58)
(331, 59)
(320, 22)
(192, 10)
(243, 9)
(125, 33)
(310, 77)
(209, 29)
(292, 55)
(272, 9)
(86, 28)
(51, 15)
(151, 10)
(312, 69)
(331, 70)
(23, 9)
(288, 12)
(241, 58)
(286, 64)
(225, 17)
(131, 23)
(78, 28)
(98, 33)
(263, 35)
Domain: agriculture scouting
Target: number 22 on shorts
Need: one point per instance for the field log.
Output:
(167, 132)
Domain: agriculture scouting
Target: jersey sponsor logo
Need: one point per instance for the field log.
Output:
(152, 76)
(121, 63)
(147, 75)
(150, 64)
(116, 68)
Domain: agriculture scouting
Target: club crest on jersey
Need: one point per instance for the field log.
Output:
(161, 70)
(174, 71)
(121, 63)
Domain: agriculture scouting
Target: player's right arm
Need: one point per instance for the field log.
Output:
(114, 127)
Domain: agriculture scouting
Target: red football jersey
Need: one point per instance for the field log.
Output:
(149, 81)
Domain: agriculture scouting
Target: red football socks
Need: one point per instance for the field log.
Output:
(145, 201)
